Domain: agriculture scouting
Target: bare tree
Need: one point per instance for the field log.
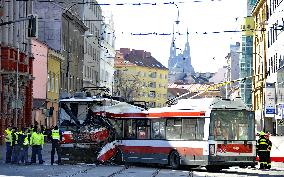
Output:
(126, 85)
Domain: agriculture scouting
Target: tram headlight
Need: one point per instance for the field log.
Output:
(211, 149)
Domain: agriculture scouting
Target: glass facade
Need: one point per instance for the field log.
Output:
(246, 70)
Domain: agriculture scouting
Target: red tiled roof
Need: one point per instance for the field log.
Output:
(141, 58)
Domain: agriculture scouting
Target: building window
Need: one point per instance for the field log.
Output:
(52, 82)
(48, 82)
(152, 84)
(152, 94)
(57, 84)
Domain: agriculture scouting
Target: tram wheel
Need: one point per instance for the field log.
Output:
(174, 160)
(118, 158)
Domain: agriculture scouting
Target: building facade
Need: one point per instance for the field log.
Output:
(16, 87)
(107, 53)
(140, 77)
(264, 122)
(61, 28)
(53, 86)
(39, 51)
(275, 63)
(93, 19)
(246, 62)
(179, 62)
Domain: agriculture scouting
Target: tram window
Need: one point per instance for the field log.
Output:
(117, 125)
(193, 129)
(200, 129)
(189, 127)
(173, 129)
(158, 129)
(130, 129)
(143, 129)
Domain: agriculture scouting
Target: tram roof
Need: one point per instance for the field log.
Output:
(206, 104)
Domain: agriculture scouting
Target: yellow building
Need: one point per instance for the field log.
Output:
(259, 60)
(139, 77)
(53, 86)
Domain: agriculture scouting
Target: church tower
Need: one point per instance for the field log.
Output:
(179, 64)
(173, 49)
(187, 57)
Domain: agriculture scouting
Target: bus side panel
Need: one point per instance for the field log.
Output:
(277, 151)
(158, 151)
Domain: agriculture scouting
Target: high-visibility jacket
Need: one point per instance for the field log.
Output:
(8, 137)
(26, 140)
(262, 144)
(55, 134)
(37, 139)
(42, 138)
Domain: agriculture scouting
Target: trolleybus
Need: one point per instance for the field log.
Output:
(211, 132)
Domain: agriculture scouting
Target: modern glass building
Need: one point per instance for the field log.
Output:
(246, 65)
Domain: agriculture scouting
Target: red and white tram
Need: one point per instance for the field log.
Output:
(211, 132)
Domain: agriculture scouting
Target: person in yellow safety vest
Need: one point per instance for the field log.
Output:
(16, 147)
(24, 145)
(56, 137)
(268, 150)
(262, 147)
(8, 141)
(37, 141)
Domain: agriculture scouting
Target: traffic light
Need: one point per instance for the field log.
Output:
(32, 31)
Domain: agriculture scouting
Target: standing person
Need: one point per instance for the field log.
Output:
(268, 150)
(24, 144)
(262, 147)
(36, 142)
(15, 145)
(8, 141)
(56, 137)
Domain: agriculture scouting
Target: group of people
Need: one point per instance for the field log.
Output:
(264, 146)
(18, 141)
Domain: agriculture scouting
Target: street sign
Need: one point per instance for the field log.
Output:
(17, 106)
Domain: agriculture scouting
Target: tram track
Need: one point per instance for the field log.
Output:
(82, 171)
(156, 172)
(119, 171)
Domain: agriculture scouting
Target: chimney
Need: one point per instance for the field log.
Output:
(124, 51)
(139, 53)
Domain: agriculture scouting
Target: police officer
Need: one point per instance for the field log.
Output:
(37, 141)
(8, 140)
(15, 145)
(268, 150)
(56, 137)
(24, 144)
(262, 147)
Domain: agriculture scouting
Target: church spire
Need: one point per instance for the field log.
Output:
(173, 44)
(187, 34)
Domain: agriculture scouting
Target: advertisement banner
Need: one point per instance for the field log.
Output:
(270, 108)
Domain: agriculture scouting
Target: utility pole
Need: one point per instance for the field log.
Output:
(17, 82)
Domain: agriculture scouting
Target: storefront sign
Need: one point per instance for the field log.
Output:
(270, 109)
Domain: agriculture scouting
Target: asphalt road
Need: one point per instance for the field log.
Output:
(93, 170)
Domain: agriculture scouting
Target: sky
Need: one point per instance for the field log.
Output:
(208, 51)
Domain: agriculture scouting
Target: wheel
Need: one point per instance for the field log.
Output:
(211, 168)
(174, 160)
(118, 158)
